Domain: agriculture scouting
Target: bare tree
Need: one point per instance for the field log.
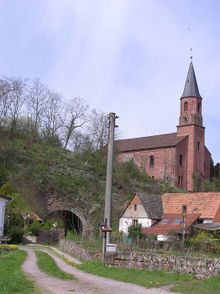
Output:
(80, 142)
(5, 100)
(17, 102)
(36, 103)
(76, 117)
(53, 120)
(98, 128)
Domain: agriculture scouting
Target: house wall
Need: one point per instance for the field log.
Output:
(126, 222)
(164, 161)
(2, 217)
(131, 213)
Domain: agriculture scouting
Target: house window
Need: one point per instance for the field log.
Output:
(134, 222)
(151, 161)
(185, 106)
(181, 159)
(198, 145)
(152, 177)
(135, 207)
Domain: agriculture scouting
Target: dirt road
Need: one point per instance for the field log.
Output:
(84, 283)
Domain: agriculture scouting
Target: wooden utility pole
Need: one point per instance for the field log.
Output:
(108, 195)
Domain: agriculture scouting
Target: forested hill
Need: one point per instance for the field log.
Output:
(49, 146)
(35, 170)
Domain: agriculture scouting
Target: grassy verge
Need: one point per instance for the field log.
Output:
(49, 266)
(141, 277)
(12, 279)
(207, 286)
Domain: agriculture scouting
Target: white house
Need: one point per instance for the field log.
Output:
(144, 209)
(3, 201)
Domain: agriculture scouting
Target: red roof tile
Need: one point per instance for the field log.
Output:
(151, 142)
(217, 216)
(204, 203)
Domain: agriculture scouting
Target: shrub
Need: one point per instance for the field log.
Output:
(34, 228)
(134, 232)
(205, 242)
(8, 247)
(51, 224)
(16, 233)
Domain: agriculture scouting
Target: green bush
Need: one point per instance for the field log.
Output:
(134, 232)
(205, 242)
(34, 228)
(51, 224)
(16, 233)
(72, 235)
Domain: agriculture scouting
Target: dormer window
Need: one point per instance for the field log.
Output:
(185, 107)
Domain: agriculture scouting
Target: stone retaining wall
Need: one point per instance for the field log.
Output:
(201, 267)
(76, 250)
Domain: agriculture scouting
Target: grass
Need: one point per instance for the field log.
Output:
(206, 286)
(141, 277)
(47, 265)
(12, 279)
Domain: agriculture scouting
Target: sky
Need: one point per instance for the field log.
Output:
(130, 57)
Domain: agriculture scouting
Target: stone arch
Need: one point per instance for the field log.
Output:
(56, 205)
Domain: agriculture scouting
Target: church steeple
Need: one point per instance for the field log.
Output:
(191, 125)
(191, 101)
(191, 88)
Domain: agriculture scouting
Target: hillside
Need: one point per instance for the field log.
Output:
(37, 170)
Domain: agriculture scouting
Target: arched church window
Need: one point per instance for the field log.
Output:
(151, 161)
(199, 106)
(185, 106)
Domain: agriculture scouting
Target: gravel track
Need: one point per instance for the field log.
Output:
(83, 282)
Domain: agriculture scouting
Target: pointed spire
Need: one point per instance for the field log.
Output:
(191, 88)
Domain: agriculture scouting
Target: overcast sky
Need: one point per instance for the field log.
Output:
(130, 57)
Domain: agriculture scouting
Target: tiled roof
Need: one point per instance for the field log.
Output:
(152, 205)
(151, 142)
(217, 216)
(204, 203)
(191, 88)
(170, 226)
(208, 226)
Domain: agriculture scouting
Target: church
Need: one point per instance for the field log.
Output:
(180, 157)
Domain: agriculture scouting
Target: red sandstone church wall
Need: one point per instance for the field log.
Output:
(181, 169)
(207, 164)
(200, 153)
(164, 161)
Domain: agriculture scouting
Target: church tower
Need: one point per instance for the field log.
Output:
(191, 125)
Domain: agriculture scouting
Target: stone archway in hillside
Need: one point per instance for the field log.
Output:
(70, 221)
(74, 216)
